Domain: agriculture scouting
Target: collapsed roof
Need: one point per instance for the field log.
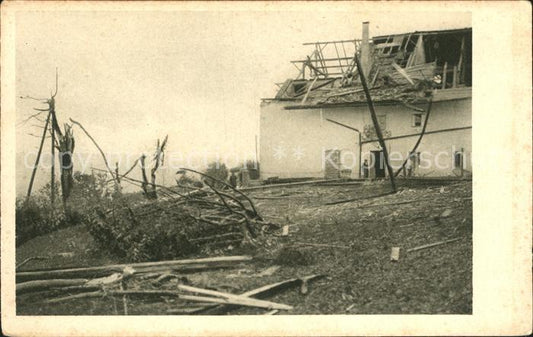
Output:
(401, 68)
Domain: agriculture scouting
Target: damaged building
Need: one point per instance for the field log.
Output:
(318, 124)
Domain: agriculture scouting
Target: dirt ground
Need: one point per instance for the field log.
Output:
(349, 243)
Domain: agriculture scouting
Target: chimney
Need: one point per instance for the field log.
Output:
(365, 50)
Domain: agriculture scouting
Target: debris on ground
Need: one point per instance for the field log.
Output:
(350, 242)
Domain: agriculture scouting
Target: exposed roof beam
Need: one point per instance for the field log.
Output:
(325, 42)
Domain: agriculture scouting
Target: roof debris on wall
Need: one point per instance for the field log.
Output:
(402, 68)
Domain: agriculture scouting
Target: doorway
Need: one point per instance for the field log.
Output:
(378, 161)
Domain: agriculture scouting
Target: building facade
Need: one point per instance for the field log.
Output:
(321, 127)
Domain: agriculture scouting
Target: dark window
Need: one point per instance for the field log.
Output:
(417, 119)
(458, 159)
(299, 86)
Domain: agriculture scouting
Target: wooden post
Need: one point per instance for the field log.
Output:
(38, 157)
(460, 63)
(256, 156)
(454, 80)
(375, 122)
(444, 75)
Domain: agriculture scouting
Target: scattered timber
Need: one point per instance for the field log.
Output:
(235, 300)
(239, 298)
(260, 292)
(143, 267)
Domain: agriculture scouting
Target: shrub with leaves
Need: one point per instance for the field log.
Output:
(36, 216)
(149, 231)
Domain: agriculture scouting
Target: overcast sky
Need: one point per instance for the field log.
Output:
(132, 76)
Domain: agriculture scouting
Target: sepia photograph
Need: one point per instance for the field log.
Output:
(243, 161)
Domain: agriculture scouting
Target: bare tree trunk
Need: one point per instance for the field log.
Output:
(38, 158)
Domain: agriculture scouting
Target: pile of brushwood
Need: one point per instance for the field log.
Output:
(185, 220)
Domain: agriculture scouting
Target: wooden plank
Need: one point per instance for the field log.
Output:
(375, 77)
(402, 72)
(138, 267)
(454, 79)
(432, 245)
(237, 298)
(30, 286)
(460, 63)
(260, 292)
(309, 90)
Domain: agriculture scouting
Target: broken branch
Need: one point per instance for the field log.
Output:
(99, 149)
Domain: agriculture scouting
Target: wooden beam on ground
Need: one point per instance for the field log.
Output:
(260, 292)
(30, 286)
(189, 264)
(240, 298)
(432, 245)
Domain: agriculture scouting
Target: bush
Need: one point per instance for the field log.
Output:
(152, 231)
(36, 216)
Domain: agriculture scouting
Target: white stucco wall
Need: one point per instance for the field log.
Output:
(292, 142)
